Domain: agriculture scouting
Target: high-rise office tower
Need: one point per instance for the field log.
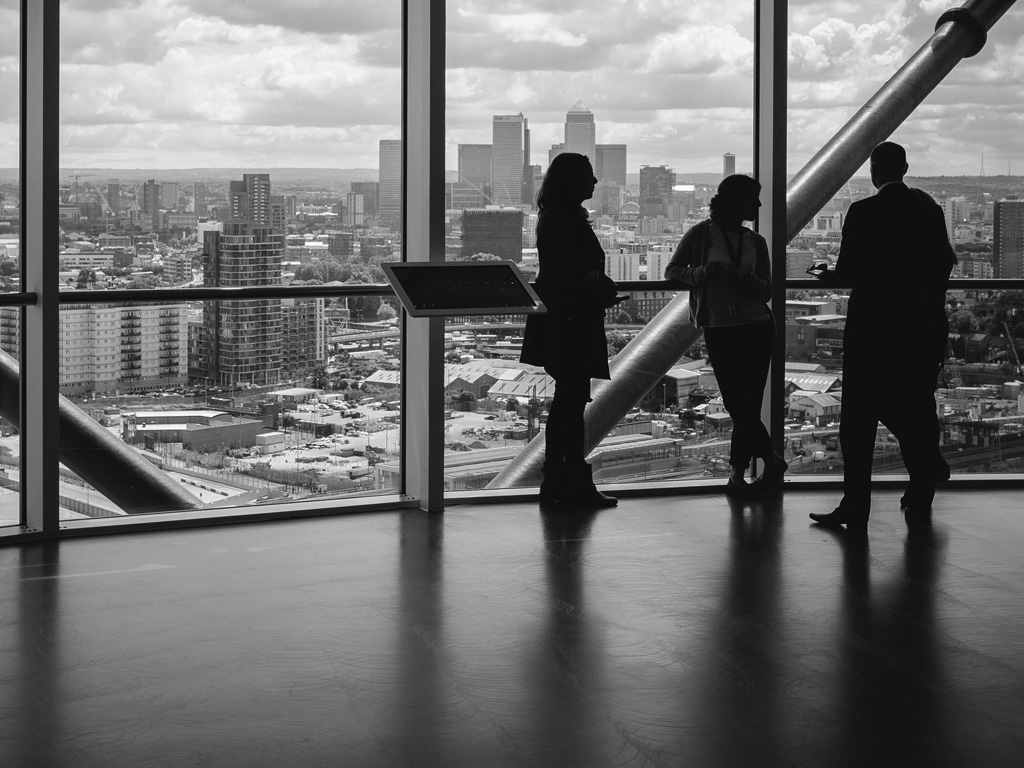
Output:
(389, 202)
(199, 199)
(249, 198)
(509, 158)
(114, 196)
(475, 167)
(1008, 238)
(149, 205)
(656, 182)
(528, 196)
(610, 167)
(728, 164)
(580, 132)
(555, 151)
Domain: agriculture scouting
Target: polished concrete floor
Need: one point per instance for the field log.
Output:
(686, 631)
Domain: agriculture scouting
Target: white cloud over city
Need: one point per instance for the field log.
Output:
(260, 83)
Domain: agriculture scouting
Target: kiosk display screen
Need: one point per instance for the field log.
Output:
(462, 288)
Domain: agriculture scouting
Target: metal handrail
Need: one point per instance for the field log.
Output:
(165, 295)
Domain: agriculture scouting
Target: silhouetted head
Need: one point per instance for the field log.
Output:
(888, 163)
(569, 180)
(737, 201)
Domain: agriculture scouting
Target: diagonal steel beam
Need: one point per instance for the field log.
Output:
(959, 33)
(99, 458)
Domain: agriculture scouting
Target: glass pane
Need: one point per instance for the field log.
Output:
(981, 411)
(223, 145)
(312, 421)
(10, 262)
(10, 438)
(10, 180)
(958, 131)
(980, 397)
(962, 142)
(523, 89)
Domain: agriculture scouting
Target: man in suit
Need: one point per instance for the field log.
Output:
(897, 256)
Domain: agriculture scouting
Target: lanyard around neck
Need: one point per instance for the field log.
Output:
(734, 252)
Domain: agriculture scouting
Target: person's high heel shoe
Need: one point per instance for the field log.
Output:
(774, 468)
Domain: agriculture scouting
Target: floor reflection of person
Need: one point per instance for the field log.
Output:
(728, 272)
(569, 339)
(891, 687)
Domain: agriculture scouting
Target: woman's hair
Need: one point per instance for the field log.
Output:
(565, 170)
(730, 190)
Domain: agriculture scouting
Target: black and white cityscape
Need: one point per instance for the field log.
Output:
(258, 400)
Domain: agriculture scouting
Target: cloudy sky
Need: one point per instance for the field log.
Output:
(315, 83)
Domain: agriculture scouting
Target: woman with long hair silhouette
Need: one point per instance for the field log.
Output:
(569, 340)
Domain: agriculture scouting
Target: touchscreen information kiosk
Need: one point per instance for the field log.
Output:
(433, 289)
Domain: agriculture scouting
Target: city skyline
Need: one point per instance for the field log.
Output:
(176, 86)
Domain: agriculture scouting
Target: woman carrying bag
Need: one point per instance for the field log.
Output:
(569, 340)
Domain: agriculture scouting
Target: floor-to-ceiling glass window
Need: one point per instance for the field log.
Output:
(230, 146)
(964, 144)
(661, 101)
(10, 261)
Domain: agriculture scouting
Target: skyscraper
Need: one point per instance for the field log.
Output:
(580, 132)
(114, 196)
(610, 167)
(149, 205)
(389, 203)
(475, 167)
(1008, 238)
(199, 198)
(656, 182)
(728, 164)
(509, 158)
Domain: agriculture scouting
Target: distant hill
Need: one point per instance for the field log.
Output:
(939, 186)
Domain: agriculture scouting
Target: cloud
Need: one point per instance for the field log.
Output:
(701, 49)
(316, 17)
(166, 83)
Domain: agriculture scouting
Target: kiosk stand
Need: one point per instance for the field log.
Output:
(430, 291)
